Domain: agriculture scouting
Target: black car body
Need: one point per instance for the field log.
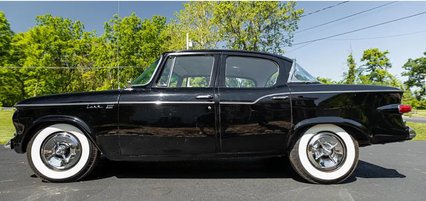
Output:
(217, 103)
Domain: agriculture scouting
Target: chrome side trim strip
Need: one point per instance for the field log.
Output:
(163, 102)
(65, 104)
(198, 102)
(352, 91)
(304, 92)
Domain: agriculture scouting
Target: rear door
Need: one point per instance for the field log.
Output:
(255, 110)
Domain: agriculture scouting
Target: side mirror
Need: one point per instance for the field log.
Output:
(129, 83)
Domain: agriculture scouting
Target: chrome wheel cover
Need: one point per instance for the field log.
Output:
(60, 151)
(326, 151)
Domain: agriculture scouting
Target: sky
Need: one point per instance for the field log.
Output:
(403, 39)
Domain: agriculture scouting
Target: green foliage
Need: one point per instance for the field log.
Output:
(196, 19)
(6, 126)
(376, 64)
(372, 72)
(415, 70)
(326, 80)
(350, 76)
(257, 25)
(6, 35)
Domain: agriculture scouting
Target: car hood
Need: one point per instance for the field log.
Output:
(95, 97)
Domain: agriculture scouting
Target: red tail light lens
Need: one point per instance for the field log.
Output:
(404, 108)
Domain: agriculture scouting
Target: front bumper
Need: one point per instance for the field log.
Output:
(8, 145)
(411, 133)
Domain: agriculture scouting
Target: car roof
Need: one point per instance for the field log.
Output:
(239, 51)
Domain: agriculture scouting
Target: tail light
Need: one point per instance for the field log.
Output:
(404, 108)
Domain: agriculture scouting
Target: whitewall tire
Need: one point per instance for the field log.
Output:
(61, 153)
(325, 153)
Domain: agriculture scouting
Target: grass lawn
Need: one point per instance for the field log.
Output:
(6, 126)
(420, 129)
(416, 113)
(7, 129)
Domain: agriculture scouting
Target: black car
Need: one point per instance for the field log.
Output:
(211, 104)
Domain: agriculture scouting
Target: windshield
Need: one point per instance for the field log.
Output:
(301, 75)
(146, 76)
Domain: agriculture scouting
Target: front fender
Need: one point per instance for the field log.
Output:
(53, 119)
(354, 128)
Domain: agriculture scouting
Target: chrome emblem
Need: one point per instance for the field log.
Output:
(94, 107)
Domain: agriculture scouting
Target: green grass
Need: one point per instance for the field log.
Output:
(6, 126)
(416, 113)
(420, 129)
(7, 129)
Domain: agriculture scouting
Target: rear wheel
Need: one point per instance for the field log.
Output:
(61, 153)
(325, 154)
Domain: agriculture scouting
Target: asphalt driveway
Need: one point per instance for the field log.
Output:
(385, 172)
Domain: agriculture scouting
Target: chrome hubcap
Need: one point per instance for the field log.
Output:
(60, 151)
(326, 151)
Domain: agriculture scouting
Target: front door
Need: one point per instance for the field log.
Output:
(255, 112)
(176, 115)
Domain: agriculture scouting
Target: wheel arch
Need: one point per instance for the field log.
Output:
(56, 119)
(358, 131)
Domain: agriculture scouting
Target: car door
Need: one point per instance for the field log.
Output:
(255, 110)
(176, 115)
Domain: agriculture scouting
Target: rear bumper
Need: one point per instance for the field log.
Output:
(411, 133)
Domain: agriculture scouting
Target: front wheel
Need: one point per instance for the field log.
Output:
(325, 154)
(61, 153)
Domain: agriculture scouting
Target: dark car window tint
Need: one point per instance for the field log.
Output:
(187, 71)
(246, 72)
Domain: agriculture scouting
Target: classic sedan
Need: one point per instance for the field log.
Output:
(211, 104)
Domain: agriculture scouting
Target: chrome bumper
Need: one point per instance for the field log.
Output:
(411, 133)
(8, 145)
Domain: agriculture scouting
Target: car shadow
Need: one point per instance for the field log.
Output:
(278, 167)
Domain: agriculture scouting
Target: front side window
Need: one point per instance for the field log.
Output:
(248, 72)
(301, 75)
(187, 71)
(146, 76)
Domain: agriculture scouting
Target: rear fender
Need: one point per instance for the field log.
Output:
(355, 129)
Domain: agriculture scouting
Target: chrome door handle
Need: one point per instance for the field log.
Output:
(204, 97)
(280, 98)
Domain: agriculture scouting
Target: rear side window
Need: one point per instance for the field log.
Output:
(248, 72)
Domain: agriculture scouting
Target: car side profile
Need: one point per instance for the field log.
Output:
(211, 104)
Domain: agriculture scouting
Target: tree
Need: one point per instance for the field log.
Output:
(6, 35)
(350, 76)
(376, 64)
(196, 19)
(326, 80)
(139, 43)
(257, 25)
(415, 69)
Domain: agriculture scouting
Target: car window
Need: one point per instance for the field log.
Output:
(187, 71)
(301, 75)
(146, 76)
(247, 72)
